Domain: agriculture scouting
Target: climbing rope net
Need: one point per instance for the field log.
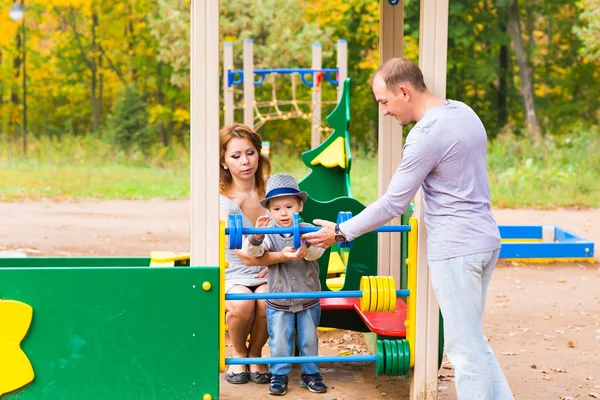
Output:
(279, 109)
(293, 108)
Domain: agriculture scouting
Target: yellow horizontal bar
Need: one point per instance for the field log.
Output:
(521, 240)
(551, 260)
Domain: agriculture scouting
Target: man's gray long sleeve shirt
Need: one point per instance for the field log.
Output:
(445, 152)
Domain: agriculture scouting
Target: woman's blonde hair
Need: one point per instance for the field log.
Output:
(228, 133)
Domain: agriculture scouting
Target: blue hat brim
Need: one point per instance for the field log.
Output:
(302, 195)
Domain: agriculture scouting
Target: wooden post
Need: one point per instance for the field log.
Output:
(433, 39)
(342, 65)
(204, 147)
(249, 83)
(228, 91)
(391, 35)
(315, 121)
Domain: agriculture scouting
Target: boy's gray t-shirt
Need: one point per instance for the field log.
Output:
(445, 152)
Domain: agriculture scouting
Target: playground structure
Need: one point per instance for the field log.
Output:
(252, 115)
(92, 330)
(114, 328)
(122, 330)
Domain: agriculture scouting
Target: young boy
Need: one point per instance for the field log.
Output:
(283, 199)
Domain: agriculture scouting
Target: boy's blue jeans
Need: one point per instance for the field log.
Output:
(460, 285)
(281, 325)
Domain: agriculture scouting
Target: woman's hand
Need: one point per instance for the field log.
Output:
(263, 273)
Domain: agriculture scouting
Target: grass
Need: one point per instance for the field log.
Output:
(566, 173)
(33, 182)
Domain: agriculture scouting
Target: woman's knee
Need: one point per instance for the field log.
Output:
(240, 309)
(261, 305)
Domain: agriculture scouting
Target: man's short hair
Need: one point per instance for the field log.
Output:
(397, 71)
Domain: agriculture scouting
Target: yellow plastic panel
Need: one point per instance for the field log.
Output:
(15, 369)
(336, 265)
(333, 156)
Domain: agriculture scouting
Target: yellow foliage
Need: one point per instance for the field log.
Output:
(181, 115)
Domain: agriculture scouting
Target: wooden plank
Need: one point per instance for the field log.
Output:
(204, 146)
(433, 39)
(391, 36)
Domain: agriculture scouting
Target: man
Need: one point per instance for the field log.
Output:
(445, 153)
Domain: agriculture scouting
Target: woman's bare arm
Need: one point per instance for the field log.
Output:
(268, 258)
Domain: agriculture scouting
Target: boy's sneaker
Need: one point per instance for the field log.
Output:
(279, 385)
(314, 383)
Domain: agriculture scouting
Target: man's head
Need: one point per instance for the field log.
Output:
(396, 84)
(283, 199)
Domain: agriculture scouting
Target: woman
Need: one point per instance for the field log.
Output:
(242, 186)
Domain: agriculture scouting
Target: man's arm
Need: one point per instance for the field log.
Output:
(420, 157)
(416, 164)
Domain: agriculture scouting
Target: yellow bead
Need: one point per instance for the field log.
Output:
(206, 286)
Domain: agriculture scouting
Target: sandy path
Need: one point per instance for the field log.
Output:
(541, 320)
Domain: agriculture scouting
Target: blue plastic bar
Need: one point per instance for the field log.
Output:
(306, 229)
(547, 250)
(304, 295)
(393, 228)
(520, 231)
(564, 236)
(283, 71)
(300, 359)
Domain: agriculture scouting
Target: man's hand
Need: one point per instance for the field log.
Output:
(323, 238)
(289, 254)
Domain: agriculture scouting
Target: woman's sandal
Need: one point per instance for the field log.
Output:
(260, 378)
(239, 378)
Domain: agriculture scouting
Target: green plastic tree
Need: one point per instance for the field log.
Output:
(330, 162)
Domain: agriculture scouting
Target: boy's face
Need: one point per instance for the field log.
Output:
(282, 209)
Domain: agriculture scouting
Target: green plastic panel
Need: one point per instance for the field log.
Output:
(322, 183)
(53, 262)
(363, 254)
(404, 248)
(118, 333)
(441, 342)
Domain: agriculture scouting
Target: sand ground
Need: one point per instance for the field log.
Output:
(542, 320)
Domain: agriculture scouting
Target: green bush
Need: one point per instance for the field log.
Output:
(129, 122)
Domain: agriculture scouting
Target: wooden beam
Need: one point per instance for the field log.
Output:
(315, 122)
(204, 146)
(228, 91)
(248, 83)
(433, 42)
(391, 37)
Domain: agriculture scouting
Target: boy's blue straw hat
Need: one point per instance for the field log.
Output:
(282, 185)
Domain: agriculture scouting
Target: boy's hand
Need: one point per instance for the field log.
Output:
(261, 222)
(289, 254)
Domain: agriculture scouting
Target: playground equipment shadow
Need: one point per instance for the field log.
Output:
(351, 381)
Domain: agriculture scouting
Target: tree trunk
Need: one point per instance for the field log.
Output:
(14, 95)
(502, 89)
(514, 29)
(161, 100)
(94, 81)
